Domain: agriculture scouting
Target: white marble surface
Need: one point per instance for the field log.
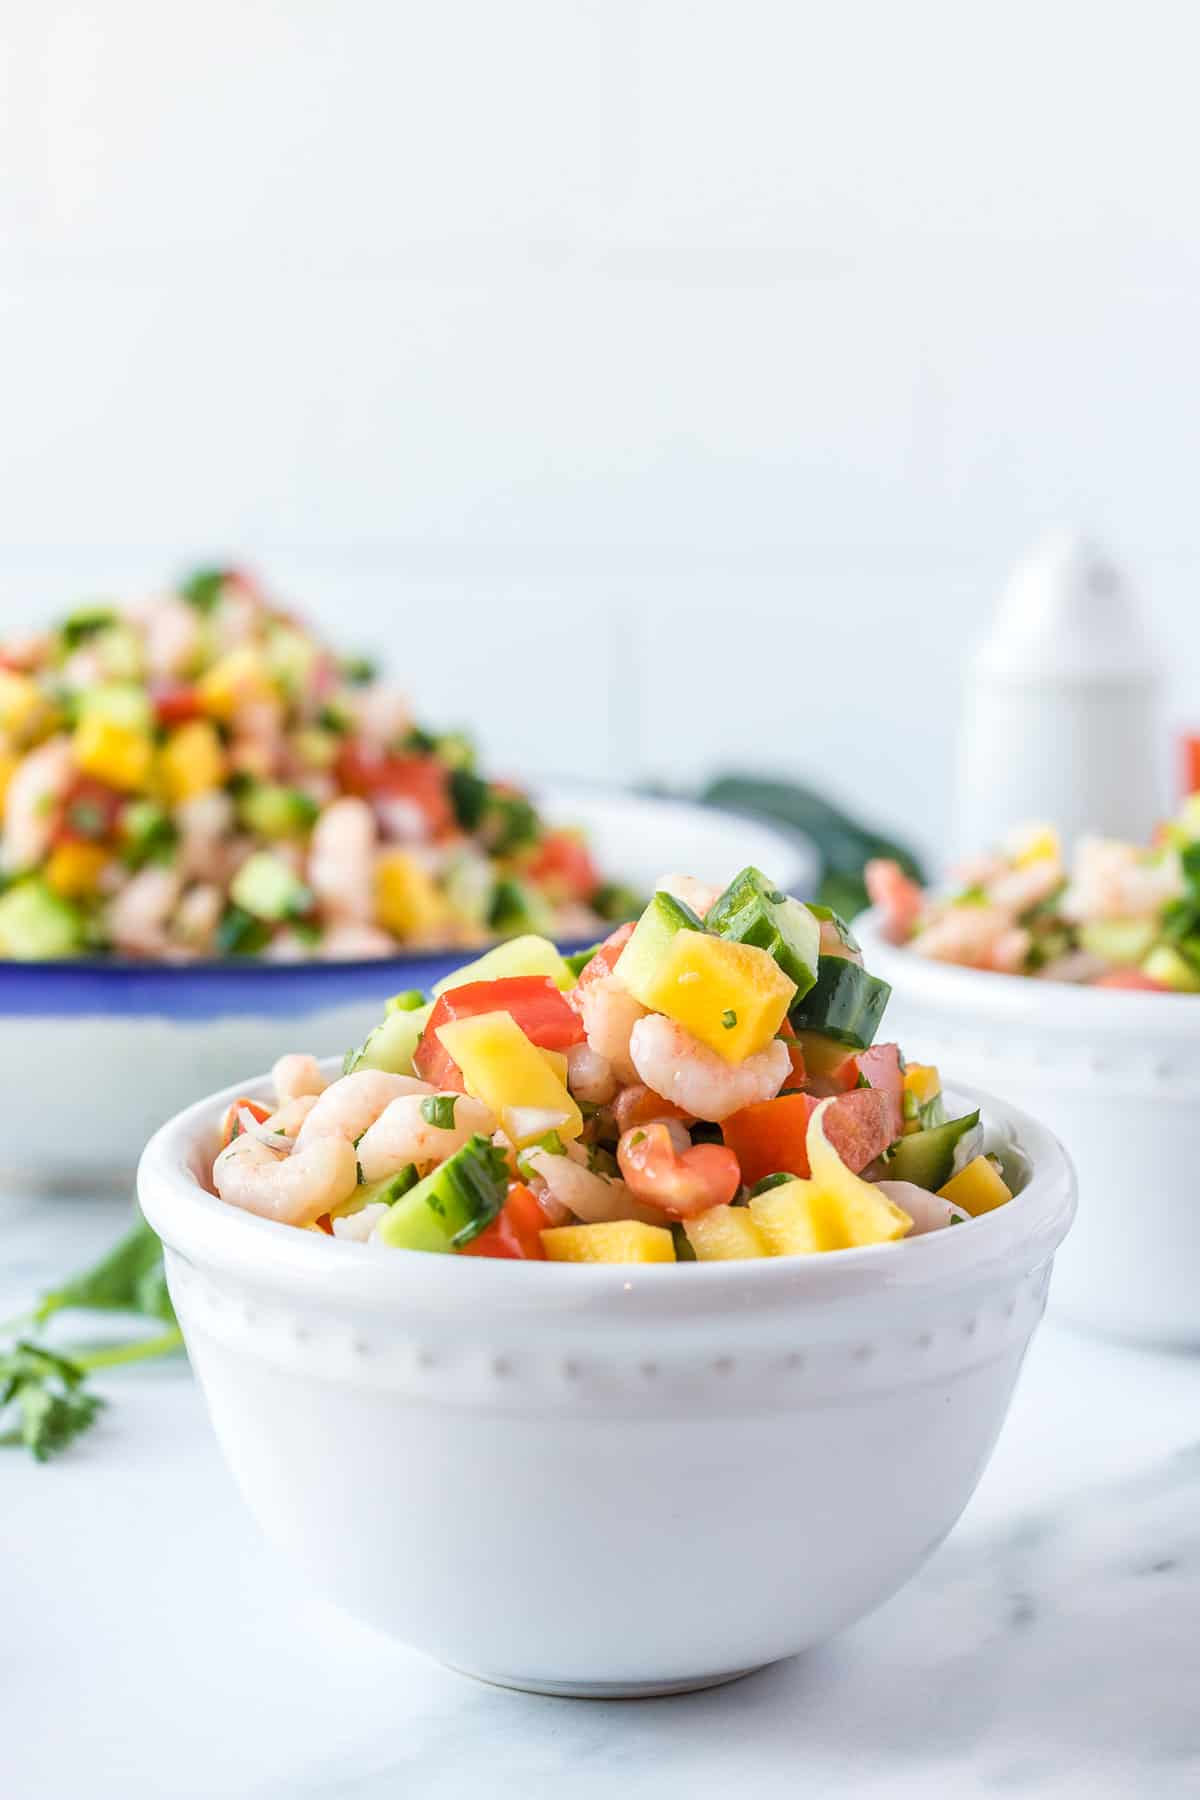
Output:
(151, 1647)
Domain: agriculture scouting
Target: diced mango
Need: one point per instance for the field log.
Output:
(74, 868)
(239, 678)
(793, 1220)
(979, 1188)
(509, 1074)
(557, 1061)
(527, 955)
(923, 1082)
(8, 768)
(725, 1234)
(618, 1241)
(859, 1212)
(23, 706)
(733, 997)
(407, 901)
(115, 754)
(192, 761)
(1034, 844)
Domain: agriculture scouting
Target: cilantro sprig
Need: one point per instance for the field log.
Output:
(45, 1400)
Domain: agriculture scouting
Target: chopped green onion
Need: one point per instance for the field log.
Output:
(770, 1181)
(410, 1000)
(729, 1018)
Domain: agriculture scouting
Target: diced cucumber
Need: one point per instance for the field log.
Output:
(469, 887)
(1118, 941)
(268, 888)
(85, 622)
(579, 961)
(529, 955)
(846, 1003)
(36, 925)
(274, 811)
(453, 1204)
(929, 1158)
(119, 703)
(390, 1046)
(752, 910)
(651, 940)
(147, 833)
(1173, 969)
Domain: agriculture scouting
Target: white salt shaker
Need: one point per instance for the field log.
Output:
(1062, 719)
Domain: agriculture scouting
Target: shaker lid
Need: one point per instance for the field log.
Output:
(1068, 614)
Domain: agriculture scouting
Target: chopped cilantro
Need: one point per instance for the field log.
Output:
(438, 1110)
(729, 1018)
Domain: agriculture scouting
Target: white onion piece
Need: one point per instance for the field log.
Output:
(928, 1212)
(529, 1122)
(274, 1140)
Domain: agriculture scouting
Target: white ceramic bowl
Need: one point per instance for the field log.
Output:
(605, 1480)
(1116, 1075)
(96, 1055)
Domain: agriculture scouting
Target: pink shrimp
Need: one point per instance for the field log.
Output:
(896, 895)
(681, 1183)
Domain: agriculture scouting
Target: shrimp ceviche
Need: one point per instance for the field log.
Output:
(1114, 915)
(703, 1085)
(198, 776)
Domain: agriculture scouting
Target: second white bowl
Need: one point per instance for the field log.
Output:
(605, 1480)
(1116, 1075)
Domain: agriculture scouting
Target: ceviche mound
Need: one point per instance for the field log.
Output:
(703, 1085)
(1115, 915)
(198, 776)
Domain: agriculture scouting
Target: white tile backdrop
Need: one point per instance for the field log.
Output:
(656, 383)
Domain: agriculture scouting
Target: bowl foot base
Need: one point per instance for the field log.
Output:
(606, 1690)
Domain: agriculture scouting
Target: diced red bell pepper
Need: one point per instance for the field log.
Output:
(1131, 978)
(516, 1231)
(231, 1125)
(176, 703)
(769, 1138)
(605, 960)
(534, 1002)
(88, 812)
(423, 780)
(562, 866)
(882, 1068)
(1190, 758)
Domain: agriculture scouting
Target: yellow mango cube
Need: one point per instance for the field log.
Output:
(510, 1075)
(792, 1220)
(860, 1214)
(923, 1082)
(725, 1234)
(618, 1241)
(979, 1188)
(556, 1060)
(407, 901)
(119, 755)
(192, 761)
(74, 869)
(238, 679)
(1034, 844)
(8, 768)
(733, 997)
(23, 706)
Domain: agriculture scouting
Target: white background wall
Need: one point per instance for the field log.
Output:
(657, 384)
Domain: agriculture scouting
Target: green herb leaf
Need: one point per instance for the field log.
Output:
(202, 589)
(729, 1018)
(770, 1181)
(129, 1278)
(438, 1110)
(44, 1392)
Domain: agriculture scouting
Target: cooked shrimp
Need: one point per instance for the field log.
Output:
(293, 1189)
(205, 824)
(358, 1226)
(593, 1198)
(610, 1012)
(38, 783)
(171, 635)
(696, 894)
(290, 1116)
(197, 916)
(964, 934)
(350, 1106)
(381, 714)
(589, 1076)
(348, 942)
(1019, 889)
(899, 899)
(402, 1134)
(137, 914)
(295, 1075)
(1011, 949)
(681, 1068)
(1111, 880)
(341, 861)
(681, 1182)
